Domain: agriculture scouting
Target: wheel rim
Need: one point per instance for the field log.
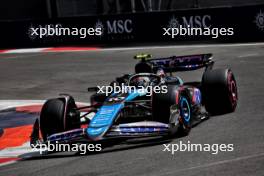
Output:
(185, 110)
(232, 89)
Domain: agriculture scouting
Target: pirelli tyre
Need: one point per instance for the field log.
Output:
(177, 113)
(219, 91)
(52, 119)
(180, 118)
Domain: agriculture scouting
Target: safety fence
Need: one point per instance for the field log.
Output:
(246, 22)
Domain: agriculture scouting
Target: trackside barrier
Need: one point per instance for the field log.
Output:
(247, 22)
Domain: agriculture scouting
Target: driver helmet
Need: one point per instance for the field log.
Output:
(141, 82)
(160, 73)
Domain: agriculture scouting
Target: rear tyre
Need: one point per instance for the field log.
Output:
(219, 91)
(52, 119)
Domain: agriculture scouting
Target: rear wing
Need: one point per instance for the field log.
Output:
(180, 63)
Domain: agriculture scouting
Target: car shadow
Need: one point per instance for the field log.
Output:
(107, 148)
(110, 146)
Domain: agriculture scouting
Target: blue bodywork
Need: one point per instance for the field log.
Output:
(106, 115)
(103, 121)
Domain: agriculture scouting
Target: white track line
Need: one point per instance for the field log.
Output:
(6, 104)
(215, 163)
(181, 46)
(248, 55)
(7, 163)
(15, 151)
(44, 50)
(28, 50)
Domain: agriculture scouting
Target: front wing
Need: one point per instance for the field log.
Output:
(129, 130)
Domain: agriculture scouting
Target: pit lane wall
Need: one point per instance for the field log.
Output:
(247, 21)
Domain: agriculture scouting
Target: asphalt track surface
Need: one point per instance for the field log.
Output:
(44, 75)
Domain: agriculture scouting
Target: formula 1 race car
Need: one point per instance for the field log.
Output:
(158, 105)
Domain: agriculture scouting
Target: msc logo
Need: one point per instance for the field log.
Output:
(116, 26)
(119, 26)
(203, 21)
(259, 20)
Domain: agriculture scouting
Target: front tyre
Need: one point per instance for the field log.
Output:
(173, 108)
(53, 118)
(180, 118)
